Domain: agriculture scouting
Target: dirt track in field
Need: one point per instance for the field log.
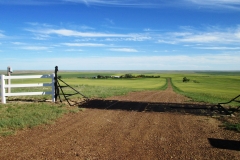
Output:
(128, 127)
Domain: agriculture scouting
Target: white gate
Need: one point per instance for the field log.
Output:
(3, 86)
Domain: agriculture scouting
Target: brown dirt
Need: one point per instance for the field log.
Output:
(120, 133)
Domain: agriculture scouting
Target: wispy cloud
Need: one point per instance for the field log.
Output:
(73, 50)
(134, 3)
(35, 48)
(18, 43)
(219, 48)
(123, 49)
(2, 35)
(226, 36)
(73, 33)
(30, 2)
(137, 38)
(84, 44)
(213, 4)
(231, 4)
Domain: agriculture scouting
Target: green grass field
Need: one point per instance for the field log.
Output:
(212, 87)
(97, 88)
(209, 87)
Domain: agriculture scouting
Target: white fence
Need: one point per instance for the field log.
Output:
(3, 86)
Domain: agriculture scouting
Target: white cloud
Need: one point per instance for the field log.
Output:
(219, 48)
(28, 2)
(135, 38)
(166, 41)
(123, 49)
(217, 4)
(18, 43)
(202, 38)
(2, 35)
(36, 48)
(190, 4)
(138, 38)
(73, 33)
(41, 37)
(227, 36)
(237, 34)
(214, 4)
(85, 39)
(73, 50)
(84, 44)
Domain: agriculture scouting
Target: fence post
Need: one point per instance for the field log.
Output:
(55, 83)
(53, 87)
(3, 89)
(9, 71)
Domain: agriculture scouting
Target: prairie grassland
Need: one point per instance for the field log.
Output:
(102, 88)
(212, 87)
(98, 88)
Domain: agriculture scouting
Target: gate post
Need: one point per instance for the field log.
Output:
(3, 97)
(56, 92)
(53, 87)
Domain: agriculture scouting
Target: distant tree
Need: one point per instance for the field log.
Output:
(142, 75)
(128, 76)
(185, 79)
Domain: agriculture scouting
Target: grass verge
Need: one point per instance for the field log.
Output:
(230, 126)
(27, 115)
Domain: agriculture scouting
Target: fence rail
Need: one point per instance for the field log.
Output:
(4, 86)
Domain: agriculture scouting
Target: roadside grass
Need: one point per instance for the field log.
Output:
(17, 116)
(234, 127)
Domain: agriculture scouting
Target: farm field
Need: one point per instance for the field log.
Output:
(211, 87)
(133, 125)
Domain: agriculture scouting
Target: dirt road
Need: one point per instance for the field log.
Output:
(126, 134)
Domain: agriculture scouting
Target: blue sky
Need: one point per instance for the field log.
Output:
(120, 34)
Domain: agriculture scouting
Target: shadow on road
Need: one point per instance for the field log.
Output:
(196, 109)
(225, 144)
